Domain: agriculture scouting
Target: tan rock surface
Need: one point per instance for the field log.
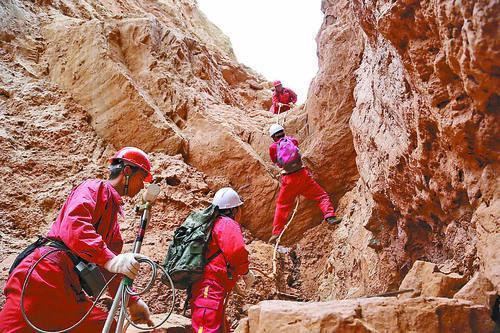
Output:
(478, 290)
(370, 315)
(425, 132)
(174, 324)
(330, 151)
(426, 280)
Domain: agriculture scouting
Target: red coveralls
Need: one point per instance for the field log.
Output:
(297, 183)
(87, 224)
(286, 96)
(207, 301)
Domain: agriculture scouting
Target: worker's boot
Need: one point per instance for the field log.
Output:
(333, 220)
(273, 239)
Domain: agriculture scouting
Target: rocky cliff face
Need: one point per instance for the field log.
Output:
(79, 79)
(158, 76)
(423, 77)
(400, 126)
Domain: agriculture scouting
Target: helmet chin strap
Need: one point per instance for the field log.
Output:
(125, 189)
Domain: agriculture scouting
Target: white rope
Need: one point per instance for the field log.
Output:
(281, 234)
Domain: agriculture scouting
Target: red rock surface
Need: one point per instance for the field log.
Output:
(425, 133)
(400, 126)
(424, 315)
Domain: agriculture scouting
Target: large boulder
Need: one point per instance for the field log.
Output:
(424, 315)
(426, 280)
(478, 290)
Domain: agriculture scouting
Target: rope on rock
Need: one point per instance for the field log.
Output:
(281, 234)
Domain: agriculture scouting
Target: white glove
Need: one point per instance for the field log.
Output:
(124, 263)
(249, 279)
(139, 313)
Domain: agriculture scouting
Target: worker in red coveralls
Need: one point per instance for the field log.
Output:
(87, 225)
(222, 272)
(283, 98)
(296, 180)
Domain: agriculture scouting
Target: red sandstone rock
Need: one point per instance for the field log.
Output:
(478, 290)
(426, 280)
(423, 128)
(369, 315)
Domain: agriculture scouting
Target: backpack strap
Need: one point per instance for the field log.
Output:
(27, 251)
(213, 256)
(189, 294)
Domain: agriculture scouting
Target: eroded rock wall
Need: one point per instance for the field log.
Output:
(79, 79)
(400, 126)
(425, 133)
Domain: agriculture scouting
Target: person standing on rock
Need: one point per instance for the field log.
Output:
(283, 98)
(87, 226)
(228, 262)
(296, 180)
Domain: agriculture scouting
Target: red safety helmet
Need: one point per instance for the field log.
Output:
(136, 157)
(277, 83)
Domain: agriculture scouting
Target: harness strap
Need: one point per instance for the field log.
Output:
(213, 256)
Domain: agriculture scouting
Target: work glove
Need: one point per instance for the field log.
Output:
(139, 313)
(124, 263)
(249, 279)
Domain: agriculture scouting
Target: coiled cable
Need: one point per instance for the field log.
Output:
(154, 266)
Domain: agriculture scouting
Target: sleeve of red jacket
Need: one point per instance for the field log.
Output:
(275, 102)
(77, 231)
(228, 235)
(272, 153)
(293, 96)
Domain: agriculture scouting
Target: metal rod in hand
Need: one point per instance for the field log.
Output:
(121, 293)
(137, 249)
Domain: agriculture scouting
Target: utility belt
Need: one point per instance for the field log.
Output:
(89, 274)
(286, 173)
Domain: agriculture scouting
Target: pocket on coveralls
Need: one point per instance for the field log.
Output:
(209, 300)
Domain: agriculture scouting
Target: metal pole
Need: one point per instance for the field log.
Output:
(112, 311)
(137, 249)
(121, 293)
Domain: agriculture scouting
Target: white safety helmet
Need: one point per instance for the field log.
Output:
(226, 198)
(275, 128)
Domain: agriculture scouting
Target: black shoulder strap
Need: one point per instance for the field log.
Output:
(27, 251)
(213, 256)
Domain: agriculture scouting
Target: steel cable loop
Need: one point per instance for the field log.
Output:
(25, 285)
(154, 267)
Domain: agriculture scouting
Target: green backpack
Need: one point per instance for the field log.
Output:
(185, 259)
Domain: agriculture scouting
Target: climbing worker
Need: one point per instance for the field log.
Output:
(228, 262)
(88, 229)
(296, 180)
(283, 98)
